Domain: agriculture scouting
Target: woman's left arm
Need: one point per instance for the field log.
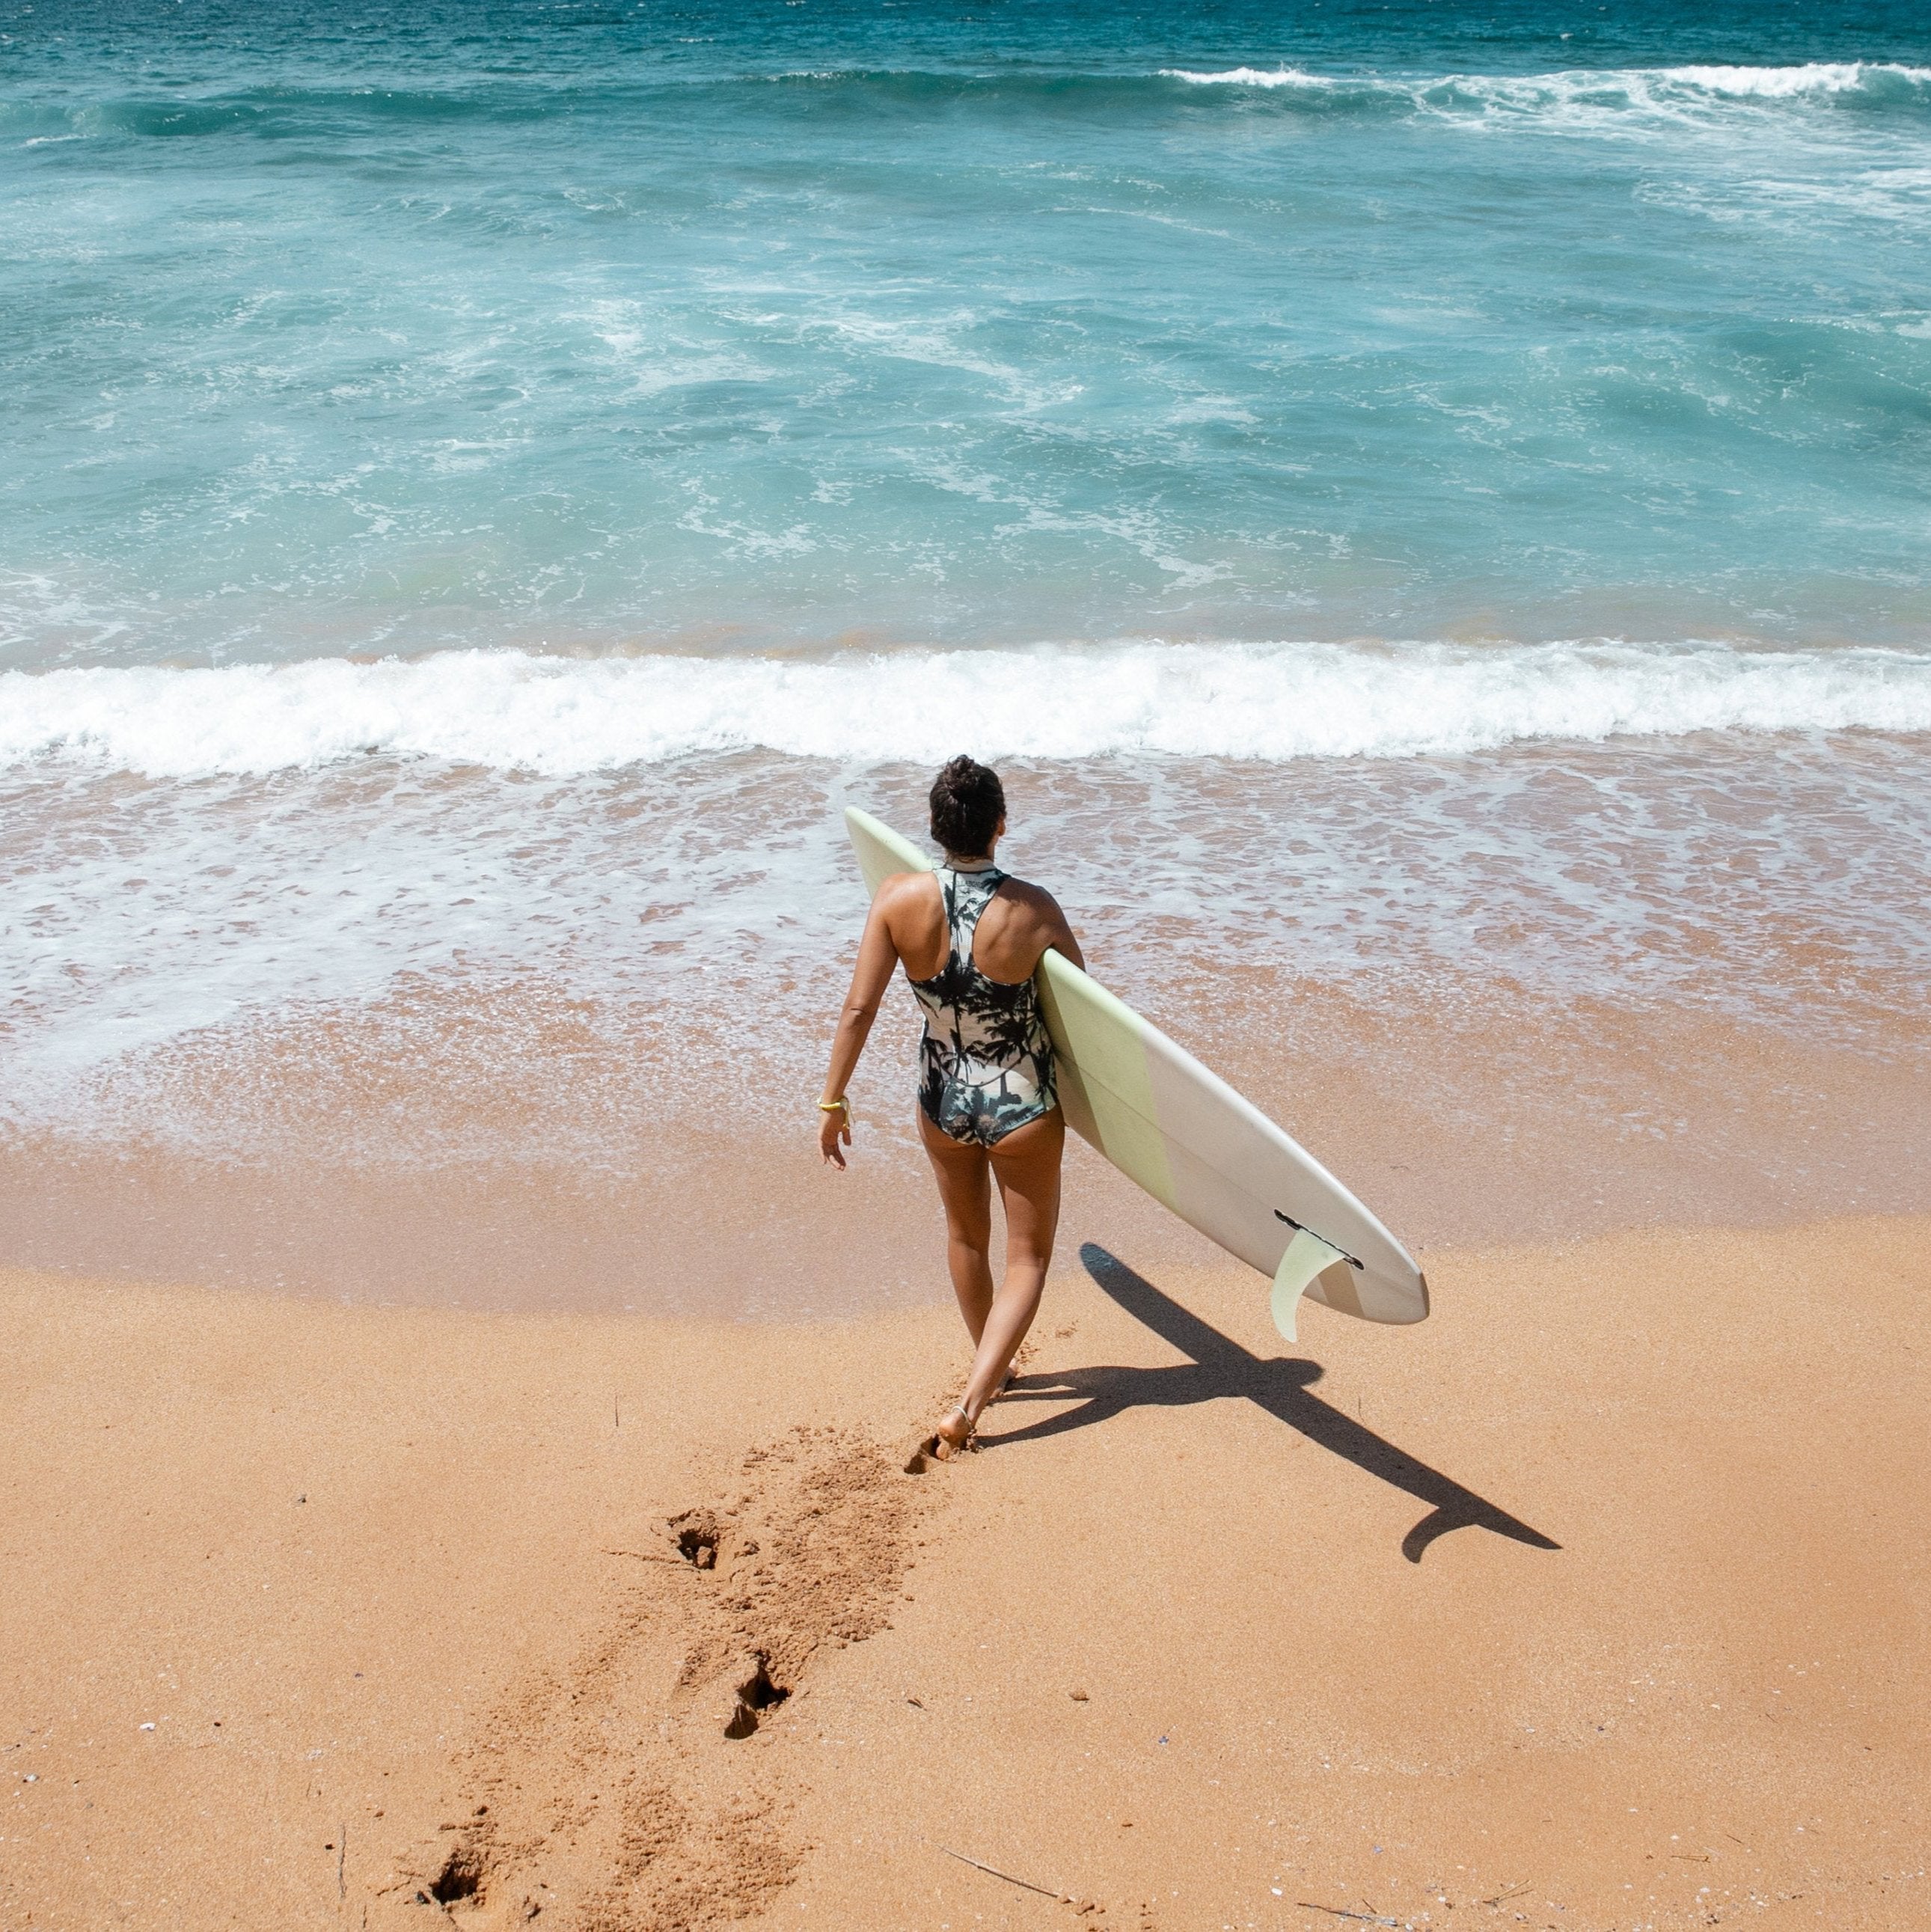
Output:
(877, 955)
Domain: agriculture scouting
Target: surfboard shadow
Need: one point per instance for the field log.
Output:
(1220, 1367)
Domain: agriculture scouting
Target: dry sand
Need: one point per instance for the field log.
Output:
(1599, 1600)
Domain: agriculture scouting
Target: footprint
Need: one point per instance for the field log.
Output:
(698, 1534)
(757, 1694)
(461, 1880)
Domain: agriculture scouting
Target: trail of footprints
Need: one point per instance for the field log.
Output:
(623, 1794)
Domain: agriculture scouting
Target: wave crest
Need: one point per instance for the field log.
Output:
(513, 710)
(1252, 76)
(1670, 92)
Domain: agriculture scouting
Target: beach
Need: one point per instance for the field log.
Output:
(1599, 1600)
(1423, 508)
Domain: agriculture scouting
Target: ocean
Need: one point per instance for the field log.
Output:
(1428, 507)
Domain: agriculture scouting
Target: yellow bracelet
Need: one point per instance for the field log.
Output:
(840, 1106)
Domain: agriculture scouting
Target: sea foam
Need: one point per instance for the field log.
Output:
(1249, 77)
(512, 710)
(1553, 97)
(1783, 82)
(1773, 82)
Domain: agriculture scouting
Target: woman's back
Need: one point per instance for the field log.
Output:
(1018, 923)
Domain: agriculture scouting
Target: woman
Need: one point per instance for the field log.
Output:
(971, 938)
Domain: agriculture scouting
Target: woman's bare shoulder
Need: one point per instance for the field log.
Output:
(1025, 890)
(1034, 901)
(903, 894)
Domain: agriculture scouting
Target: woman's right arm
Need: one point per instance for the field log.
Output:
(877, 955)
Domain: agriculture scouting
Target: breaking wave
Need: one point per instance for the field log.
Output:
(511, 710)
(1592, 96)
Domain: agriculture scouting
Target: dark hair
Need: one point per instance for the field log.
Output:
(968, 802)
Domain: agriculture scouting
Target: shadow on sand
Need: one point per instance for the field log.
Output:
(1220, 1367)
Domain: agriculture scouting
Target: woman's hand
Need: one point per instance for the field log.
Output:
(834, 1127)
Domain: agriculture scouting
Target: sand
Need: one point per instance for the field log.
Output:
(1598, 1601)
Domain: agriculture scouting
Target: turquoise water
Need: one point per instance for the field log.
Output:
(736, 328)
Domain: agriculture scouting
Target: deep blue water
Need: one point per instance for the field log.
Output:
(329, 330)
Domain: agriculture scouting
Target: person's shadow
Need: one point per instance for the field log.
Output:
(1221, 1367)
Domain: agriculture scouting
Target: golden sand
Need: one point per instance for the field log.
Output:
(1599, 1600)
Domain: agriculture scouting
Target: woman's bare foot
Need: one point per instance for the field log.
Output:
(953, 1436)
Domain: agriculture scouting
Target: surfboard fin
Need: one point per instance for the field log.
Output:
(1307, 1255)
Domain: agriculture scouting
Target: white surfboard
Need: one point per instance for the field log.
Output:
(1191, 1141)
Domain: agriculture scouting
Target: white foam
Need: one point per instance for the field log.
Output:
(1780, 83)
(511, 710)
(1770, 82)
(1585, 99)
(1249, 77)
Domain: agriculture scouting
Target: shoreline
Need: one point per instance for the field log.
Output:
(349, 1171)
(1206, 1630)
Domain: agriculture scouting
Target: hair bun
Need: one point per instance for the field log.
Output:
(967, 803)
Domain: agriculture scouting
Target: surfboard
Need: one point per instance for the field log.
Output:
(1184, 1135)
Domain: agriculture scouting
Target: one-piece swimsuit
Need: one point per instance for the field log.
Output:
(986, 1062)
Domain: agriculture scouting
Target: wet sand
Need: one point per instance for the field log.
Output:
(1475, 1114)
(1598, 1600)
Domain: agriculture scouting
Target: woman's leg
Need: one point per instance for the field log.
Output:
(1026, 1164)
(961, 1172)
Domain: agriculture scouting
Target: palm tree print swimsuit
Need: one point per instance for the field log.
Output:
(986, 1063)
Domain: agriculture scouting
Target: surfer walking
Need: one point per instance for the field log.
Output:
(970, 937)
